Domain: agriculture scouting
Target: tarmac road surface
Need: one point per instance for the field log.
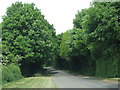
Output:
(66, 80)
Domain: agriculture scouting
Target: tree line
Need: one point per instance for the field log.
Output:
(92, 47)
(29, 42)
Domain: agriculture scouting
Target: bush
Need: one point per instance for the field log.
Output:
(15, 71)
(10, 73)
(7, 75)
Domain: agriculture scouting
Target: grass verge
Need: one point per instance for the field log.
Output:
(31, 82)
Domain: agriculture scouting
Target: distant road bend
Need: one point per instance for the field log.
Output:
(66, 80)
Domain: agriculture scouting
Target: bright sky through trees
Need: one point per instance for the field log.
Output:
(60, 13)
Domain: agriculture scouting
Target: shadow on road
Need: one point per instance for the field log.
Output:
(51, 71)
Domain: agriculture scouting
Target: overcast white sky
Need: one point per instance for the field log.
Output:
(60, 13)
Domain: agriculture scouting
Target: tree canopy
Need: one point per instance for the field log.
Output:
(92, 46)
(27, 37)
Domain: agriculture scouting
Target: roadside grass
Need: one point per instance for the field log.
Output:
(32, 82)
(113, 79)
(40, 79)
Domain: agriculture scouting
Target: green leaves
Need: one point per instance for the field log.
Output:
(27, 34)
(93, 43)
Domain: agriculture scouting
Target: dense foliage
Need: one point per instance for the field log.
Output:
(10, 73)
(27, 38)
(92, 46)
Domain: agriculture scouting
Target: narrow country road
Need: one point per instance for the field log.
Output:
(66, 80)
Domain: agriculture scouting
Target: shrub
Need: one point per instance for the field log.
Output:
(10, 73)
(15, 71)
(7, 75)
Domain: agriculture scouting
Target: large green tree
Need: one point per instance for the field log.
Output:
(28, 35)
(102, 31)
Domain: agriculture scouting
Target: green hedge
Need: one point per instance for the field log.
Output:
(107, 68)
(10, 73)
